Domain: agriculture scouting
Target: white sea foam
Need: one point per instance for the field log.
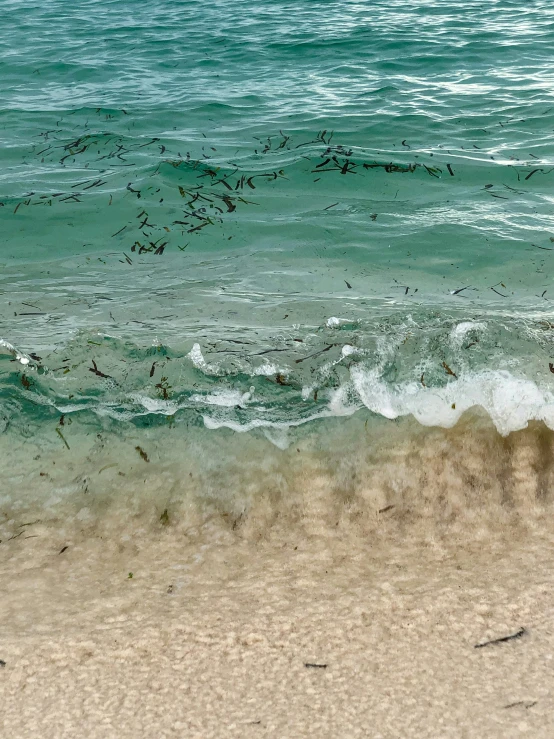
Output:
(197, 358)
(224, 397)
(511, 402)
(155, 405)
(15, 353)
(461, 330)
(260, 423)
(266, 370)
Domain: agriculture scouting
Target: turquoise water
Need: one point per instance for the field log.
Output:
(258, 217)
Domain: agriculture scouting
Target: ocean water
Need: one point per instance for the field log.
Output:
(254, 251)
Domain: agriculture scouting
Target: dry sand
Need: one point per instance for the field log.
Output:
(211, 637)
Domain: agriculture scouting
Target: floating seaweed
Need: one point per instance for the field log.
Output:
(212, 191)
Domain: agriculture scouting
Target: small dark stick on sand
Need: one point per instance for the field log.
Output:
(386, 508)
(524, 704)
(518, 634)
(312, 664)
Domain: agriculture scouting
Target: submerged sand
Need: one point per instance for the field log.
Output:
(211, 637)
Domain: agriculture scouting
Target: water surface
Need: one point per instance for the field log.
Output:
(257, 218)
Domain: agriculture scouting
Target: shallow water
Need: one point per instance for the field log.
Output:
(254, 218)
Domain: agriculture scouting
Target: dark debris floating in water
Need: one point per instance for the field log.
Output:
(180, 197)
(255, 231)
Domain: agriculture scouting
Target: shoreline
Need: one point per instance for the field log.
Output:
(363, 475)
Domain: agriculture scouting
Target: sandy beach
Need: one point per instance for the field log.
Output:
(277, 370)
(337, 588)
(324, 636)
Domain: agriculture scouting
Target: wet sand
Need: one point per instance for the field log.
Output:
(211, 636)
